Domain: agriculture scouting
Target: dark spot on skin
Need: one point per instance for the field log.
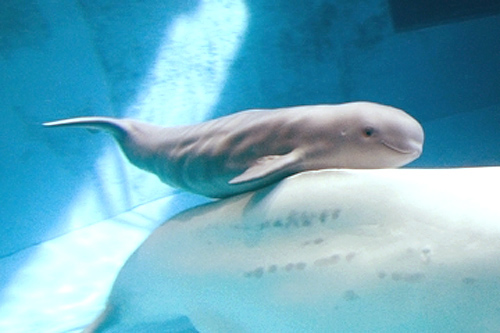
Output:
(469, 281)
(426, 256)
(307, 219)
(323, 216)
(272, 268)
(301, 266)
(278, 224)
(328, 261)
(350, 295)
(382, 275)
(334, 259)
(317, 241)
(289, 267)
(329, 215)
(258, 272)
(298, 220)
(350, 256)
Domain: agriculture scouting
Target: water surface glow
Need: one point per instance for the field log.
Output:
(65, 282)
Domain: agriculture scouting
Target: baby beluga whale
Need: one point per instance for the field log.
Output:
(251, 149)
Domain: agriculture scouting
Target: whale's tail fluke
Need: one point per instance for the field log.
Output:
(117, 127)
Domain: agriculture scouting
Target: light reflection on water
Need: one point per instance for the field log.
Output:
(65, 282)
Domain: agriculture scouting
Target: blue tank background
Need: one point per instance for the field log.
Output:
(184, 61)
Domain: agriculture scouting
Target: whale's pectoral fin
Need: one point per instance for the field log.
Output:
(266, 166)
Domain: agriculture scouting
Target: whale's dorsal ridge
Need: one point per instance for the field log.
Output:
(266, 166)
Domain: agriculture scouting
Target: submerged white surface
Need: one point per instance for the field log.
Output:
(382, 250)
(336, 250)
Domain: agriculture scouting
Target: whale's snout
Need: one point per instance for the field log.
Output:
(405, 139)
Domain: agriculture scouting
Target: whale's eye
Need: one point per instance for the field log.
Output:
(368, 131)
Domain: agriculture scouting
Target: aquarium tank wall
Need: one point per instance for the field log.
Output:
(73, 208)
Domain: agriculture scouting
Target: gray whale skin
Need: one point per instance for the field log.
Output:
(390, 250)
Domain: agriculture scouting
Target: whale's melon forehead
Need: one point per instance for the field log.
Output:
(379, 111)
(360, 115)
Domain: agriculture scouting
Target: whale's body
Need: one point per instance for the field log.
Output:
(401, 250)
(252, 149)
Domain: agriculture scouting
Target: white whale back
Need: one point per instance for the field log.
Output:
(331, 250)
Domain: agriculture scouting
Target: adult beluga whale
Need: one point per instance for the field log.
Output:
(254, 148)
(410, 250)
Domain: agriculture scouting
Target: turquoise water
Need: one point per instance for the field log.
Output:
(73, 209)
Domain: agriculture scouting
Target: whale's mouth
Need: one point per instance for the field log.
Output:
(400, 150)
